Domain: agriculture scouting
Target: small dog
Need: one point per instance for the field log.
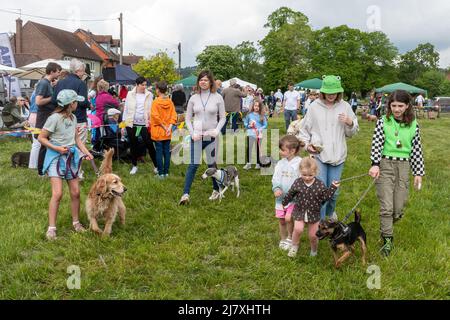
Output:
(105, 198)
(20, 159)
(225, 178)
(343, 237)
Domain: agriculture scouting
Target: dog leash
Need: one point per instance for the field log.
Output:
(354, 178)
(97, 172)
(359, 201)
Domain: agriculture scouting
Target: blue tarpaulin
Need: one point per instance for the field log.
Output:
(121, 74)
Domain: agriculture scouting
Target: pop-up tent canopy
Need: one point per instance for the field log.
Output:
(310, 84)
(240, 82)
(400, 86)
(36, 70)
(8, 70)
(43, 64)
(188, 82)
(121, 74)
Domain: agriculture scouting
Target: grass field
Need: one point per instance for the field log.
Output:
(227, 251)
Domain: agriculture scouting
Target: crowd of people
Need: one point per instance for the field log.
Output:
(305, 190)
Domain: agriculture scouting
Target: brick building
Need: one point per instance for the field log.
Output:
(33, 42)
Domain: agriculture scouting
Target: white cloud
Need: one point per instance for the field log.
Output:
(445, 58)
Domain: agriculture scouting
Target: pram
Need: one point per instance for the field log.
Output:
(110, 136)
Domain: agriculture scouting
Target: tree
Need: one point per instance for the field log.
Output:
(418, 61)
(378, 59)
(285, 48)
(363, 60)
(159, 67)
(250, 68)
(434, 82)
(221, 60)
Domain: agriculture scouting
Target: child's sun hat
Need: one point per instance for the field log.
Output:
(67, 96)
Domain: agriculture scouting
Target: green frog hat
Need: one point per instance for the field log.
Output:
(331, 85)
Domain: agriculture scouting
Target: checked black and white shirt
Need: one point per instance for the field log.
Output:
(416, 156)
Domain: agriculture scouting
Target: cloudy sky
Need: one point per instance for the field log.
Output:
(154, 25)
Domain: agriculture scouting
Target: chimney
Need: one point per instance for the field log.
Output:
(19, 35)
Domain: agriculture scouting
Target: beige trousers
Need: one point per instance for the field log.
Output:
(392, 192)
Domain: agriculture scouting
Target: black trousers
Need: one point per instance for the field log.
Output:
(250, 143)
(134, 143)
(41, 158)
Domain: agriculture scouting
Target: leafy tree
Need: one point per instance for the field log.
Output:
(159, 67)
(285, 48)
(434, 82)
(221, 60)
(378, 59)
(418, 61)
(363, 60)
(250, 68)
(445, 88)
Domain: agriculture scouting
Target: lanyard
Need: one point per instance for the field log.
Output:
(205, 104)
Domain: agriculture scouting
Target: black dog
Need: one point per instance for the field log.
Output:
(20, 159)
(343, 238)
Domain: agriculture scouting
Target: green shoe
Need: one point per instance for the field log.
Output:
(388, 246)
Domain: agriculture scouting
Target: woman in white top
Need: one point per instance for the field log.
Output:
(328, 122)
(136, 115)
(201, 120)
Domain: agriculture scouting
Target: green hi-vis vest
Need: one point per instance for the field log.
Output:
(405, 136)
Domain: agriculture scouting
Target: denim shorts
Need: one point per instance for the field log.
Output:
(53, 171)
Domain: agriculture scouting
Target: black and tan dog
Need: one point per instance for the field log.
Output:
(343, 238)
(20, 159)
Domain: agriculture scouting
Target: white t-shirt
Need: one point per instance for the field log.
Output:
(420, 99)
(291, 98)
(139, 116)
(279, 95)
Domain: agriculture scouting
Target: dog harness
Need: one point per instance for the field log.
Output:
(345, 232)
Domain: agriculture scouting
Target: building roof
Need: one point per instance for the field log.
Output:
(131, 59)
(67, 42)
(115, 43)
(23, 59)
(98, 39)
(101, 38)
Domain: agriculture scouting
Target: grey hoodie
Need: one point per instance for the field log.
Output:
(322, 127)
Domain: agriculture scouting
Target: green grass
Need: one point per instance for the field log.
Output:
(226, 251)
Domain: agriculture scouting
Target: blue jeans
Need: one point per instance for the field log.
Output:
(328, 174)
(163, 156)
(196, 155)
(234, 126)
(289, 116)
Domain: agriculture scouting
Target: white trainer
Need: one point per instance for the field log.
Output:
(185, 199)
(133, 171)
(292, 252)
(284, 245)
(258, 167)
(215, 195)
(248, 166)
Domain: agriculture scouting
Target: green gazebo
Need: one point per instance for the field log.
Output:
(310, 84)
(188, 82)
(400, 86)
